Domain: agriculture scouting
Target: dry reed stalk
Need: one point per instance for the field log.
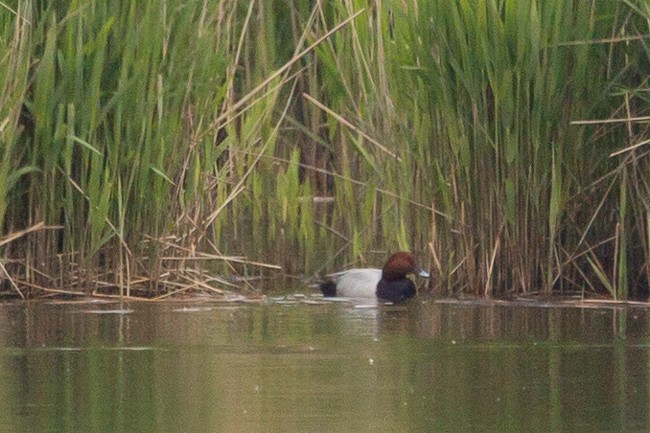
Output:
(349, 125)
(19, 234)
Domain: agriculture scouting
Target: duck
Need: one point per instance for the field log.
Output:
(387, 284)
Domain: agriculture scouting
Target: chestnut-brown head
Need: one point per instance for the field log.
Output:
(399, 265)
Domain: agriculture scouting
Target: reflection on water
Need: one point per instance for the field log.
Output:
(337, 367)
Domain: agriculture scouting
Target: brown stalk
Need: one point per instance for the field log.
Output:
(346, 123)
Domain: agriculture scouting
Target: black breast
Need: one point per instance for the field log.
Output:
(395, 291)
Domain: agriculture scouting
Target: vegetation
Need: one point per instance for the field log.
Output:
(155, 146)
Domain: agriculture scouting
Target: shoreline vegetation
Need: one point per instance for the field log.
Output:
(164, 147)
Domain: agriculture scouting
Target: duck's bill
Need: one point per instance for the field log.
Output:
(422, 273)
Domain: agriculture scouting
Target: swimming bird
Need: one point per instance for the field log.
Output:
(389, 283)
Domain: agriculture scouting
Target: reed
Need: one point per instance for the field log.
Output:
(159, 146)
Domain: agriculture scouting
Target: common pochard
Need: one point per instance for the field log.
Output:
(388, 284)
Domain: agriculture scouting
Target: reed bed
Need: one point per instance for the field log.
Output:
(158, 147)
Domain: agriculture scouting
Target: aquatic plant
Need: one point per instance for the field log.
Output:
(158, 146)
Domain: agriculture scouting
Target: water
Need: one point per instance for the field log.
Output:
(295, 367)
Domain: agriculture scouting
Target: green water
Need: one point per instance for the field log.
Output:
(427, 367)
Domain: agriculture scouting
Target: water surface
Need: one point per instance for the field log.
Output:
(292, 366)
